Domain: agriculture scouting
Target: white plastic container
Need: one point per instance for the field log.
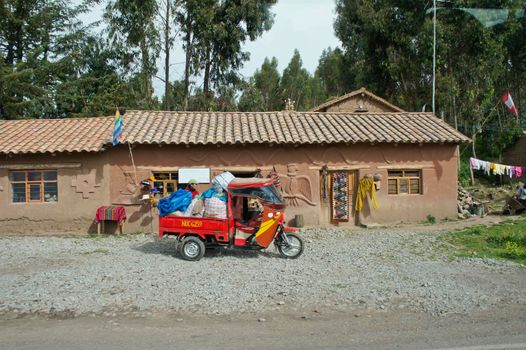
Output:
(221, 181)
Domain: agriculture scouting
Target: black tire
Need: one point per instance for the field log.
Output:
(290, 252)
(191, 248)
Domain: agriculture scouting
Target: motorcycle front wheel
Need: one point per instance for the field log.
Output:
(291, 246)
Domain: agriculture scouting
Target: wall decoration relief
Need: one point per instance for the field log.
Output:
(129, 191)
(130, 187)
(85, 183)
(296, 188)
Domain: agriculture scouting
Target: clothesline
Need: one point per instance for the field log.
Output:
(495, 168)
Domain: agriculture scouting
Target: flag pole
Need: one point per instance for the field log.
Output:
(133, 164)
(117, 137)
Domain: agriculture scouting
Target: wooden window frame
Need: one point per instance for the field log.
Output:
(405, 177)
(171, 180)
(27, 185)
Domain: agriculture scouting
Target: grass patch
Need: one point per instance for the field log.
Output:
(506, 240)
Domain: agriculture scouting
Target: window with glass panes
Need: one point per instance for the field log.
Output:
(404, 182)
(34, 186)
(165, 182)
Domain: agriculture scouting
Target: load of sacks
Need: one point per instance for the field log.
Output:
(211, 203)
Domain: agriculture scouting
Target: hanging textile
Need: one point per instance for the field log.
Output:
(366, 186)
(494, 168)
(340, 196)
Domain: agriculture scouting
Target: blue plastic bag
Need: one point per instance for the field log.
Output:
(179, 200)
(211, 192)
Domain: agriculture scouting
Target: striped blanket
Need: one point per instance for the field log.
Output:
(113, 213)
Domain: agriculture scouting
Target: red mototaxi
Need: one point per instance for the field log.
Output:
(242, 228)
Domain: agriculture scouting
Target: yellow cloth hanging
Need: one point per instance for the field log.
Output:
(366, 186)
(493, 167)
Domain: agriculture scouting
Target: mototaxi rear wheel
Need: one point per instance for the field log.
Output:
(192, 248)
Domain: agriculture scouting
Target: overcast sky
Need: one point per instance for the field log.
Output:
(303, 24)
(306, 25)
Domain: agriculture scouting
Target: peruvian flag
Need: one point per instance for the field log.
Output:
(508, 101)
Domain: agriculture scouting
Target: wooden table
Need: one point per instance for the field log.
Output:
(110, 213)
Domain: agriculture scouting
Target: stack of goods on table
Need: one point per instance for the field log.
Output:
(211, 203)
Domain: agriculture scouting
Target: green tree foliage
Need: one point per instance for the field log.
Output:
(261, 92)
(267, 80)
(317, 91)
(32, 36)
(294, 83)
(133, 32)
(267, 91)
(166, 14)
(388, 49)
(51, 67)
(300, 87)
(91, 84)
(214, 32)
(386, 45)
(251, 99)
(331, 71)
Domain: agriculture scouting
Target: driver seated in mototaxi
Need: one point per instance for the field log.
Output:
(248, 213)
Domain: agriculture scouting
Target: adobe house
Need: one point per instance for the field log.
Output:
(54, 174)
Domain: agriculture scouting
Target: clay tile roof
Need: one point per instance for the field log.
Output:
(284, 127)
(207, 128)
(323, 107)
(54, 135)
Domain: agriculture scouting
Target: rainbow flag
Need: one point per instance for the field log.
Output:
(117, 129)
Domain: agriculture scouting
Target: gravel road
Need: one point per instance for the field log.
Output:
(393, 268)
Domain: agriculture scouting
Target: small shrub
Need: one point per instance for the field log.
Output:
(513, 249)
(431, 219)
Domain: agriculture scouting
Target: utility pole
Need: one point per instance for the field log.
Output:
(434, 51)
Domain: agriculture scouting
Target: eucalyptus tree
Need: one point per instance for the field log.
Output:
(34, 38)
(214, 32)
(133, 32)
(387, 46)
(294, 84)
